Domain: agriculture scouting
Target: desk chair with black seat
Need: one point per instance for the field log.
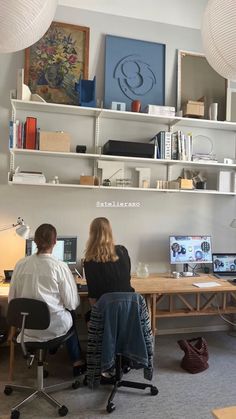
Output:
(27, 313)
(119, 331)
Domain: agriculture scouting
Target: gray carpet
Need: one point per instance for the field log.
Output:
(181, 395)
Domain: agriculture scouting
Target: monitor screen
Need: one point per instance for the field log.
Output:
(65, 249)
(190, 249)
(224, 262)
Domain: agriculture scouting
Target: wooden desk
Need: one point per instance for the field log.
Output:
(194, 301)
(160, 288)
(225, 413)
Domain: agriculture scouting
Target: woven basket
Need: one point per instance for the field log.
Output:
(196, 354)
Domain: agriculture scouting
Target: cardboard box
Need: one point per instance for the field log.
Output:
(54, 141)
(186, 184)
(89, 180)
(193, 108)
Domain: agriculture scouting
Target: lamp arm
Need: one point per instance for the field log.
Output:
(19, 221)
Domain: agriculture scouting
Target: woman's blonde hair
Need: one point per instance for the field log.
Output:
(100, 245)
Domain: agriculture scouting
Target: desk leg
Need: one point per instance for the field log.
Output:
(12, 353)
(154, 297)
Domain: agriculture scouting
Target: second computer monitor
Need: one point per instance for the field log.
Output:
(65, 249)
(190, 249)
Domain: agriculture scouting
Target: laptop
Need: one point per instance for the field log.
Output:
(224, 265)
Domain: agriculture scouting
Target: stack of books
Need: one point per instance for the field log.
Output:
(29, 177)
(201, 157)
(160, 110)
(24, 134)
(172, 146)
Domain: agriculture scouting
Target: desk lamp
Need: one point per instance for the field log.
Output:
(22, 229)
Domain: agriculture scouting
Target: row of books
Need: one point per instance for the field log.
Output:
(173, 146)
(24, 134)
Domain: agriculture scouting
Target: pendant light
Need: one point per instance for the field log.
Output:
(24, 22)
(219, 36)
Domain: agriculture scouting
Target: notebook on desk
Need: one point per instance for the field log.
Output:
(224, 265)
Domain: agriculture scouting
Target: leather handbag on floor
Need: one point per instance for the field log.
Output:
(196, 354)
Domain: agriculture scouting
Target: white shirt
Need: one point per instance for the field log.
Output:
(44, 278)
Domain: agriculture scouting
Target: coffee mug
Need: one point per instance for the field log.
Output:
(136, 106)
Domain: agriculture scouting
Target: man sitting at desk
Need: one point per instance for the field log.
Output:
(42, 277)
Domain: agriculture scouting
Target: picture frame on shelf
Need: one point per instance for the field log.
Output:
(57, 61)
(231, 102)
(197, 79)
(134, 70)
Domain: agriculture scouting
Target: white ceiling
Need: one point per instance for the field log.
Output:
(186, 13)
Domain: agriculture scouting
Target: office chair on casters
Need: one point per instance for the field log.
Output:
(27, 313)
(119, 336)
(119, 371)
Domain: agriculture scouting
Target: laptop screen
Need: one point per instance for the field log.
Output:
(224, 263)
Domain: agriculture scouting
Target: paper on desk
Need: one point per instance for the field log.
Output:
(206, 284)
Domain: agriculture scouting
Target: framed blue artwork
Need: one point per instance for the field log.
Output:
(134, 70)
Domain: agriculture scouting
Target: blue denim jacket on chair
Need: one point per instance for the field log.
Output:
(119, 324)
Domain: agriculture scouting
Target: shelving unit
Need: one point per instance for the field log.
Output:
(106, 116)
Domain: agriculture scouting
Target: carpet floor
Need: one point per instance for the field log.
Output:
(181, 395)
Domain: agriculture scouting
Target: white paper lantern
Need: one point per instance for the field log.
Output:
(24, 22)
(219, 36)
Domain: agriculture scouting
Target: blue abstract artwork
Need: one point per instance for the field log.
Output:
(134, 70)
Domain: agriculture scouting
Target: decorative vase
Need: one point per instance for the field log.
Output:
(142, 270)
(136, 106)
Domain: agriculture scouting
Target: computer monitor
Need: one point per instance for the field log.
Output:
(190, 249)
(65, 249)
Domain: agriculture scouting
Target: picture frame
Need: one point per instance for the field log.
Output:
(58, 60)
(134, 70)
(197, 79)
(231, 102)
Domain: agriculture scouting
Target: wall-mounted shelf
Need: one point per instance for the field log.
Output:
(121, 158)
(87, 162)
(120, 115)
(100, 187)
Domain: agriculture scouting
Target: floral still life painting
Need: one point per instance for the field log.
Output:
(57, 61)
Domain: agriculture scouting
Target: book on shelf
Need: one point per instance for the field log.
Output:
(181, 146)
(30, 132)
(162, 145)
(201, 157)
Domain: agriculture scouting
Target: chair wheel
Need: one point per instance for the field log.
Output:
(62, 411)
(15, 414)
(154, 391)
(8, 390)
(111, 407)
(76, 385)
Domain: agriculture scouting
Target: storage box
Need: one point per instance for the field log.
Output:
(186, 184)
(160, 110)
(193, 108)
(89, 180)
(54, 141)
(226, 181)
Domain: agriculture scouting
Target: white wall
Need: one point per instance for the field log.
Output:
(144, 230)
(186, 13)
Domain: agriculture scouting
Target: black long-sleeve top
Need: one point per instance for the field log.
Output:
(104, 277)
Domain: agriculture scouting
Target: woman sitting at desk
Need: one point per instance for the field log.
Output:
(107, 267)
(42, 277)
